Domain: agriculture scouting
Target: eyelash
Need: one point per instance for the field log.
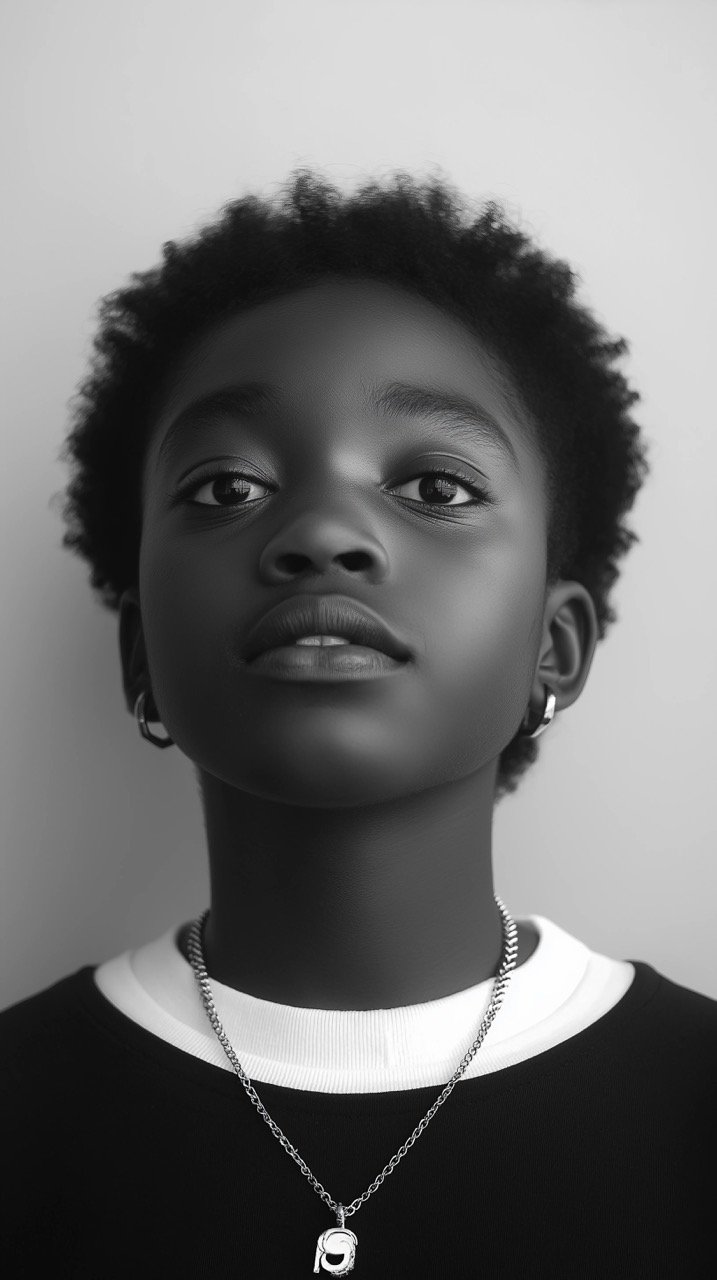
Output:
(481, 498)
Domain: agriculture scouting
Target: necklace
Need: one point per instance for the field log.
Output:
(338, 1240)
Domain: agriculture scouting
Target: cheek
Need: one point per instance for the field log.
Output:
(180, 603)
(482, 631)
(190, 617)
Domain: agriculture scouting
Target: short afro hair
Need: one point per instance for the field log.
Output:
(473, 263)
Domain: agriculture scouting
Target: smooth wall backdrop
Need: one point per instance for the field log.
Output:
(126, 124)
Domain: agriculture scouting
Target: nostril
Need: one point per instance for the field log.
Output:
(292, 562)
(356, 560)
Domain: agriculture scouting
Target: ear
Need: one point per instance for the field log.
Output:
(133, 654)
(570, 634)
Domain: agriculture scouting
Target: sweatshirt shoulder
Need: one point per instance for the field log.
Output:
(689, 1014)
(51, 1014)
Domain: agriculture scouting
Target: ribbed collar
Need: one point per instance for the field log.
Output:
(558, 991)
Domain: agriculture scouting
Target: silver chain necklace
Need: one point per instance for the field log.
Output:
(339, 1241)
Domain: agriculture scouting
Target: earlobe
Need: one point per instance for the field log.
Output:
(133, 654)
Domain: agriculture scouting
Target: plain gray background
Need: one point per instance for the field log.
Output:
(127, 123)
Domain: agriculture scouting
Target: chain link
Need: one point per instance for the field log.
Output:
(510, 953)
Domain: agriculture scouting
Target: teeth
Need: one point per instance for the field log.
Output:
(322, 640)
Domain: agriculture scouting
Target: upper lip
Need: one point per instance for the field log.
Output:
(334, 615)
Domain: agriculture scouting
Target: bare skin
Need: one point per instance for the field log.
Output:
(348, 824)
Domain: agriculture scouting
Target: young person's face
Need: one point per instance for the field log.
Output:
(327, 512)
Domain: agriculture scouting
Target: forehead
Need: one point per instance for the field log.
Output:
(333, 342)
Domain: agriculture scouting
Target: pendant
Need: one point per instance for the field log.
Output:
(337, 1241)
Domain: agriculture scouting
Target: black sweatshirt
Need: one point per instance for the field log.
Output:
(127, 1157)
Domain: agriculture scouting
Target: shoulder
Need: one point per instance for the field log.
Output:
(42, 1022)
(685, 1001)
(681, 1018)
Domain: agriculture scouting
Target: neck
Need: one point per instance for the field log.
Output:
(357, 908)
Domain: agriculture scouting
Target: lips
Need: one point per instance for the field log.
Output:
(335, 615)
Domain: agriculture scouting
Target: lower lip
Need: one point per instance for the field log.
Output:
(324, 662)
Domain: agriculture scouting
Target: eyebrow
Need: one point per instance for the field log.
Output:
(462, 417)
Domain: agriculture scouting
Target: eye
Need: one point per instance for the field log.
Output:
(438, 488)
(225, 486)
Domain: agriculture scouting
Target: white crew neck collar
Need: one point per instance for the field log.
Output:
(562, 987)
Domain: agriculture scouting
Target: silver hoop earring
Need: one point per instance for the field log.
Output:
(144, 727)
(548, 713)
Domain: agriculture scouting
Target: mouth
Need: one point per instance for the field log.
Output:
(322, 662)
(317, 630)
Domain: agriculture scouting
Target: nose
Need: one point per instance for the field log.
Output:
(316, 544)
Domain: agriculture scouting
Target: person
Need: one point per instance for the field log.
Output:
(352, 471)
